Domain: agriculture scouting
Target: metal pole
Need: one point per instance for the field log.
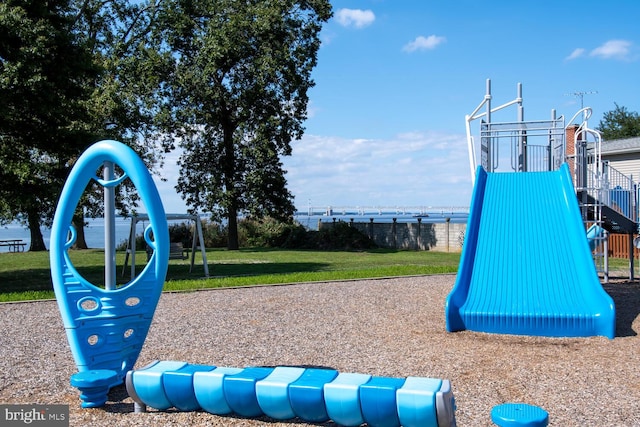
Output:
(553, 155)
(109, 228)
(605, 236)
(631, 257)
(132, 247)
(522, 143)
(202, 247)
(489, 139)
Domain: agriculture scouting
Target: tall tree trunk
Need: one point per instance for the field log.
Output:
(229, 169)
(78, 224)
(233, 243)
(37, 241)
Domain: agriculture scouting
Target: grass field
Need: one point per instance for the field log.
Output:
(26, 276)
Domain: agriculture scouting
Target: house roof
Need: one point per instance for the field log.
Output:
(621, 146)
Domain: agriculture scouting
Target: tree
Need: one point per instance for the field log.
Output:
(71, 72)
(619, 123)
(127, 92)
(44, 72)
(239, 83)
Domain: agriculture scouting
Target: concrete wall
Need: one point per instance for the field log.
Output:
(442, 237)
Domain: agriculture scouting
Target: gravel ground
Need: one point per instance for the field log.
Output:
(390, 327)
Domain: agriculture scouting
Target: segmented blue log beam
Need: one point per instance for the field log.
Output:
(284, 392)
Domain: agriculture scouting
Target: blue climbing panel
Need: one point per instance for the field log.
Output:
(107, 328)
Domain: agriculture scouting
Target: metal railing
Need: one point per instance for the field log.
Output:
(589, 180)
(518, 146)
(529, 146)
(620, 192)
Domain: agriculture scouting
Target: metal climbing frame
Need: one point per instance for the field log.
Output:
(585, 163)
(607, 196)
(538, 146)
(517, 146)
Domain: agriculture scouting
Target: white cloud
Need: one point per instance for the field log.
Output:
(424, 43)
(613, 49)
(410, 170)
(355, 17)
(577, 53)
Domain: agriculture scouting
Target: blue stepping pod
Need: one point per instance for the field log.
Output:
(94, 386)
(178, 387)
(307, 394)
(240, 391)
(519, 415)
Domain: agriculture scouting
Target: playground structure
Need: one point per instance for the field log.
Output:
(527, 266)
(198, 240)
(106, 328)
(284, 392)
(515, 277)
(607, 198)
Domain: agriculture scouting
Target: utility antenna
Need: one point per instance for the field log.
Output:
(581, 94)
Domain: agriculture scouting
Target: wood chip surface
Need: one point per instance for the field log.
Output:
(389, 327)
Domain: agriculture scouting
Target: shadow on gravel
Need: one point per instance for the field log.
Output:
(626, 296)
(117, 395)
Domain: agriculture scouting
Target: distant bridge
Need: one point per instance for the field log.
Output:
(381, 210)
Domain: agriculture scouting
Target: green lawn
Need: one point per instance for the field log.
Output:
(26, 276)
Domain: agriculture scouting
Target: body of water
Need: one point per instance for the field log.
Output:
(94, 230)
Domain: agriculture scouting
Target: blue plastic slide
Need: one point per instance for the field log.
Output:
(526, 267)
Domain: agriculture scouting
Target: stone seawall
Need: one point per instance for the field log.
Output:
(419, 235)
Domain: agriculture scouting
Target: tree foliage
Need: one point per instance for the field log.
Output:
(71, 72)
(239, 84)
(619, 123)
(227, 79)
(44, 75)
(126, 94)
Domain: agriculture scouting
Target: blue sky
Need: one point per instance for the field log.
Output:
(395, 79)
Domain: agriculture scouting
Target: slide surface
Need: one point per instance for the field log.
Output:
(526, 267)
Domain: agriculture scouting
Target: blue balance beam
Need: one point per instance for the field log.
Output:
(284, 392)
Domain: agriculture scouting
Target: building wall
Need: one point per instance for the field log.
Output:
(441, 237)
(627, 163)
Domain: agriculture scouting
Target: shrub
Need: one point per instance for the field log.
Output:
(269, 232)
(140, 243)
(181, 233)
(214, 235)
(341, 236)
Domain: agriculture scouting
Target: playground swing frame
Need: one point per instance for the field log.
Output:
(198, 238)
